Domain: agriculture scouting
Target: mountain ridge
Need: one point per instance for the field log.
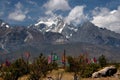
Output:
(75, 39)
(90, 33)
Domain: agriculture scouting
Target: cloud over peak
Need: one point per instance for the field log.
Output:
(76, 15)
(105, 18)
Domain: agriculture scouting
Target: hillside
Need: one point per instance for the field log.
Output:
(85, 38)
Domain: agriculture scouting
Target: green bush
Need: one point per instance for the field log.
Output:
(52, 66)
(80, 67)
(102, 61)
(89, 69)
(39, 68)
(76, 65)
(15, 70)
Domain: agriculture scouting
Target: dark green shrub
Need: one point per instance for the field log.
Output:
(15, 70)
(39, 68)
(102, 61)
(76, 65)
(52, 66)
(80, 66)
(89, 69)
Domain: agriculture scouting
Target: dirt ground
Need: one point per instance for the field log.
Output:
(55, 74)
(108, 78)
(69, 76)
(1, 79)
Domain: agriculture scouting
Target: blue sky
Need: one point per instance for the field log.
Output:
(25, 12)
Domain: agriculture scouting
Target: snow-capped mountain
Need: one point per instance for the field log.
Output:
(55, 35)
(4, 24)
(4, 30)
(55, 24)
(50, 25)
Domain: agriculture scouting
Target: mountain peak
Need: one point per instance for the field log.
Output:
(92, 34)
(55, 24)
(88, 24)
(4, 24)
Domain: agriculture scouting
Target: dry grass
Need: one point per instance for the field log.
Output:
(69, 76)
(108, 78)
(1, 79)
(58, 73)
(24, 77)
(66, 76)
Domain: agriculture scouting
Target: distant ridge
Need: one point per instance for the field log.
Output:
(59, 36)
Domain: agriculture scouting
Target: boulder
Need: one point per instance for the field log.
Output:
(105, 72)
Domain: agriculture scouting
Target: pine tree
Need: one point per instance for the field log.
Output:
(102, 61)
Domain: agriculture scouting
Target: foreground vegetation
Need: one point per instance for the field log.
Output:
(73, 67)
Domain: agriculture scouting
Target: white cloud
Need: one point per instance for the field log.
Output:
(18, 14)
(54, 5)
(76, 15)
(32, 2)
(18, 5)
(105, 18)
(49, 13)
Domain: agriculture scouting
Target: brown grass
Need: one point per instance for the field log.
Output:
(108, 78)
(1, 79)
(65, 76)
(69, 76)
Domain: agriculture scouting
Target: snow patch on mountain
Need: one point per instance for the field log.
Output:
(7, 26)
(28, 37)
(74, 29)
(3, 24)
(48, 23)
(55, 24)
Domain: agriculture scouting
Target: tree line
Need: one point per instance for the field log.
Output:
(42, 65)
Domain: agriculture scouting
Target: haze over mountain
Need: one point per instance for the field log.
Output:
(59, 36)
(54, 25)
(90, 33)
